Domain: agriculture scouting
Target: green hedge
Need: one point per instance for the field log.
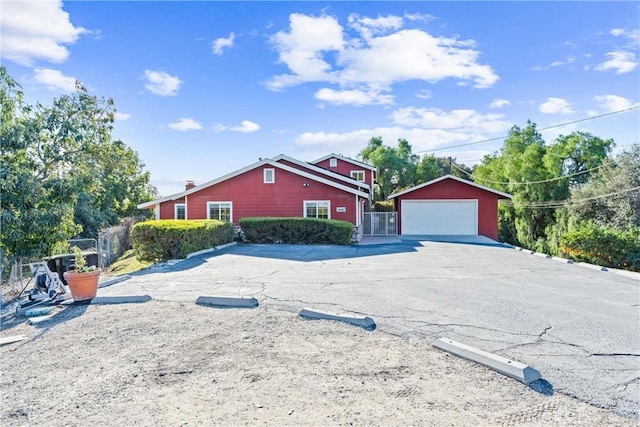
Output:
(160, 240)
(603, 246)
(296, 231)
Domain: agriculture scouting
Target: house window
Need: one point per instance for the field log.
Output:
(180, 211)
(269, 176)
(357, 175)
(333, 163)
(220, 210)
(317, 209)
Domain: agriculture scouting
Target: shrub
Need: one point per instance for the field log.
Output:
(296, 230)
(603, 246)
(160, 240)
(383, 206)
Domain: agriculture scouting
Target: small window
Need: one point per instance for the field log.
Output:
(333, 163)
(220, 210)
(180, 211)
(269, 176)
(317, 209)
(357, 175)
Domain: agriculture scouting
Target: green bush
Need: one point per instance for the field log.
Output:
(603, 246)
(383, 206)
(160, 240)
(296, 230)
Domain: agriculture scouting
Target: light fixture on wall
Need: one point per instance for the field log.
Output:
(305, 184)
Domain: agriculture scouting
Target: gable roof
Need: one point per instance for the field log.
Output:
(247, 169)
(455, 178)
(346, 159)
(323, 171)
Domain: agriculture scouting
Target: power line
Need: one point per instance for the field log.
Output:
(553, 204)
(533, 182)
(541, 129)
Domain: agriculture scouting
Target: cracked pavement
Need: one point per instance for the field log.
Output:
(579, 327)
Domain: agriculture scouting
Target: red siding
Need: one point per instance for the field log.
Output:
(318, 174)
(251, 197)
(167, 209)
(452, 189)
(345, 168)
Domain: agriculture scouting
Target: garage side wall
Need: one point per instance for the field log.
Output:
(451, 189)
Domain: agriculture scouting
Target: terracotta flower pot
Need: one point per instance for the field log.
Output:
(83, 286)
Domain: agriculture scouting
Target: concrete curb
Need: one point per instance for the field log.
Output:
(592, 266)
(510, 368)
(540, 254)
(113, 281)
(133, 299)
(364, 322)
(12, 339)
(557, 258)
(216, 249)
(228, 302)
(626, 273)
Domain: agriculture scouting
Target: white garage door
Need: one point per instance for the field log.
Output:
(454, 217)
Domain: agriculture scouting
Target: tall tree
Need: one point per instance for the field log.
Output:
(61, 173)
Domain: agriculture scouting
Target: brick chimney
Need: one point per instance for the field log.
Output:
(189, 185)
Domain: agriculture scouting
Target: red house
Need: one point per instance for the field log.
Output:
(278, 187)
(448, 206)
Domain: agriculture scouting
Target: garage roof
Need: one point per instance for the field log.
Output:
(442, 178)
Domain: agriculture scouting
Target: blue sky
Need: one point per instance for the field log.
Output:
(204, 88)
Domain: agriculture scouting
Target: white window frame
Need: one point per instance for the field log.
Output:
(306, 202)
(175, 210)
(220, 203)
(359, 172)
(273, 175)
(333, 162)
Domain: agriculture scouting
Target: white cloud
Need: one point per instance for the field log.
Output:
(570, 59)
(185, 124)
(556, 106)
(424, 94)
(219, 45)
(499, 103)
(617, 32)
(458, 120)
(350, 143)
(632, 35)
(353, 97)
(246, 126)
(619, 61)
(36, 30)
(368, 27)
(316, 49)
(162, 83)
(122, 116)
(54, 80)
(614, 102)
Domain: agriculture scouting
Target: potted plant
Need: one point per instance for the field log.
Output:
(83, 280)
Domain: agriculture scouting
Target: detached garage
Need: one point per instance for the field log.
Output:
(448, 206)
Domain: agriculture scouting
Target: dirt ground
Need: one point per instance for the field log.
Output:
(179, 364)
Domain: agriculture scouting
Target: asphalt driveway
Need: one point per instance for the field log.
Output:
(579, 327)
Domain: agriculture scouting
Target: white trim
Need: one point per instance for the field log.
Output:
(333, 162)
(304, 207)
(323, 171)
(345, 159)
(455, 178)
(175, 210)
(220, 203)
(156, 210)
(357, 211)
(152, 203)
(434, 201)
(273, 175)
(358, 172)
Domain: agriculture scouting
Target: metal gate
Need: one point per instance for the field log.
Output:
(380, 224)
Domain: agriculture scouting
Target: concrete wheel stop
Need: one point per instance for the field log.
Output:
(228, 302)
(511, 368)
(133, 299)
(364, 322)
